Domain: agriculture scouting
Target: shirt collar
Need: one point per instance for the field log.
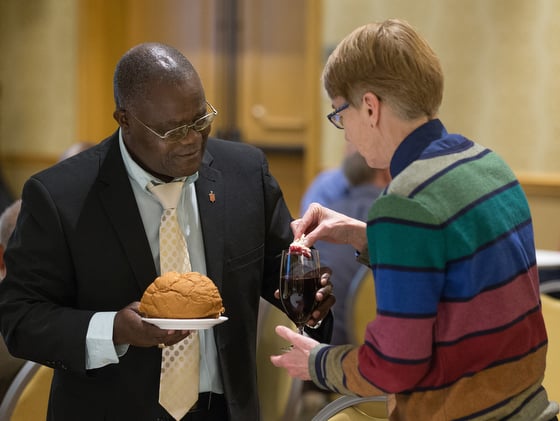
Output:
(141, 176)
(412, 146)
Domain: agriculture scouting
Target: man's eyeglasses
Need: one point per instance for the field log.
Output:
(335, 118)
(179, 133)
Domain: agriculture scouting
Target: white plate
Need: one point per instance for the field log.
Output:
(185, 324)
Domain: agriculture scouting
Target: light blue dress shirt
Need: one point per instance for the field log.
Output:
(100, 350)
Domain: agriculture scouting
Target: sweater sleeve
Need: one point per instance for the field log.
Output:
(335, 368)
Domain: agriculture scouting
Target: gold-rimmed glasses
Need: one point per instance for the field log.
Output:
(335, 118)
(179, 133)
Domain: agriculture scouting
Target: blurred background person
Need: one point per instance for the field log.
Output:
(74, 149)
(328, 186)
(9, 366)
(6, 196)
(8, 220)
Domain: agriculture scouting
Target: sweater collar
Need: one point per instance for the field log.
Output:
(412, 146)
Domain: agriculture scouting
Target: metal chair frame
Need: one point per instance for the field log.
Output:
(550, 286)
(21, 380)
(342, 403)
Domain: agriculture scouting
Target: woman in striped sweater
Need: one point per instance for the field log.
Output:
(459, 332)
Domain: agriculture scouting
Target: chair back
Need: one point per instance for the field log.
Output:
(353, 408)
(9, 367)
(28, 396)
(279, 394)
(360, 305)
(551, 314)
(550, 287)
(354, 414)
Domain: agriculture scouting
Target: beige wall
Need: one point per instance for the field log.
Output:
(501, 61)
(37, 84)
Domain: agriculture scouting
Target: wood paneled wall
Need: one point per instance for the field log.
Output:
(275, 74)
(108, 28)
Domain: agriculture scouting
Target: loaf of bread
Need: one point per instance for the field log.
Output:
(176, 295)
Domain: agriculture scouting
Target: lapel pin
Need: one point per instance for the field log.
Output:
(212, 196)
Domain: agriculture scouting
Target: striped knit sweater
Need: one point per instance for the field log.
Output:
(459, 332)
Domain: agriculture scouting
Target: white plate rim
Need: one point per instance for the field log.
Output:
(187, 324)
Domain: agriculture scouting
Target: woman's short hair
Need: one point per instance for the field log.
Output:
(391, 60)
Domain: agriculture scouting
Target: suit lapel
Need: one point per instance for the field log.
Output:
(119, 202)
(210, 195)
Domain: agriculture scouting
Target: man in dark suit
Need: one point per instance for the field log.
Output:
(86, 247)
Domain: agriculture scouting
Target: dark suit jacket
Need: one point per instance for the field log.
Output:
(80, 247)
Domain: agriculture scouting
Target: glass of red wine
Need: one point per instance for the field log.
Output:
(300, 279)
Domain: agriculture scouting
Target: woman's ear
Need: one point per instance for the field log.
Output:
(371, 102)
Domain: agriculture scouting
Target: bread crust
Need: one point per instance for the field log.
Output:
(176, 295)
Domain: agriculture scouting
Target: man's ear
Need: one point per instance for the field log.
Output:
(121, 118)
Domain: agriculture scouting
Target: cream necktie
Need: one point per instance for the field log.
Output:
(178, 388)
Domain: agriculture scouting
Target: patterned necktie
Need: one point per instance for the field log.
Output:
(178, 388)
